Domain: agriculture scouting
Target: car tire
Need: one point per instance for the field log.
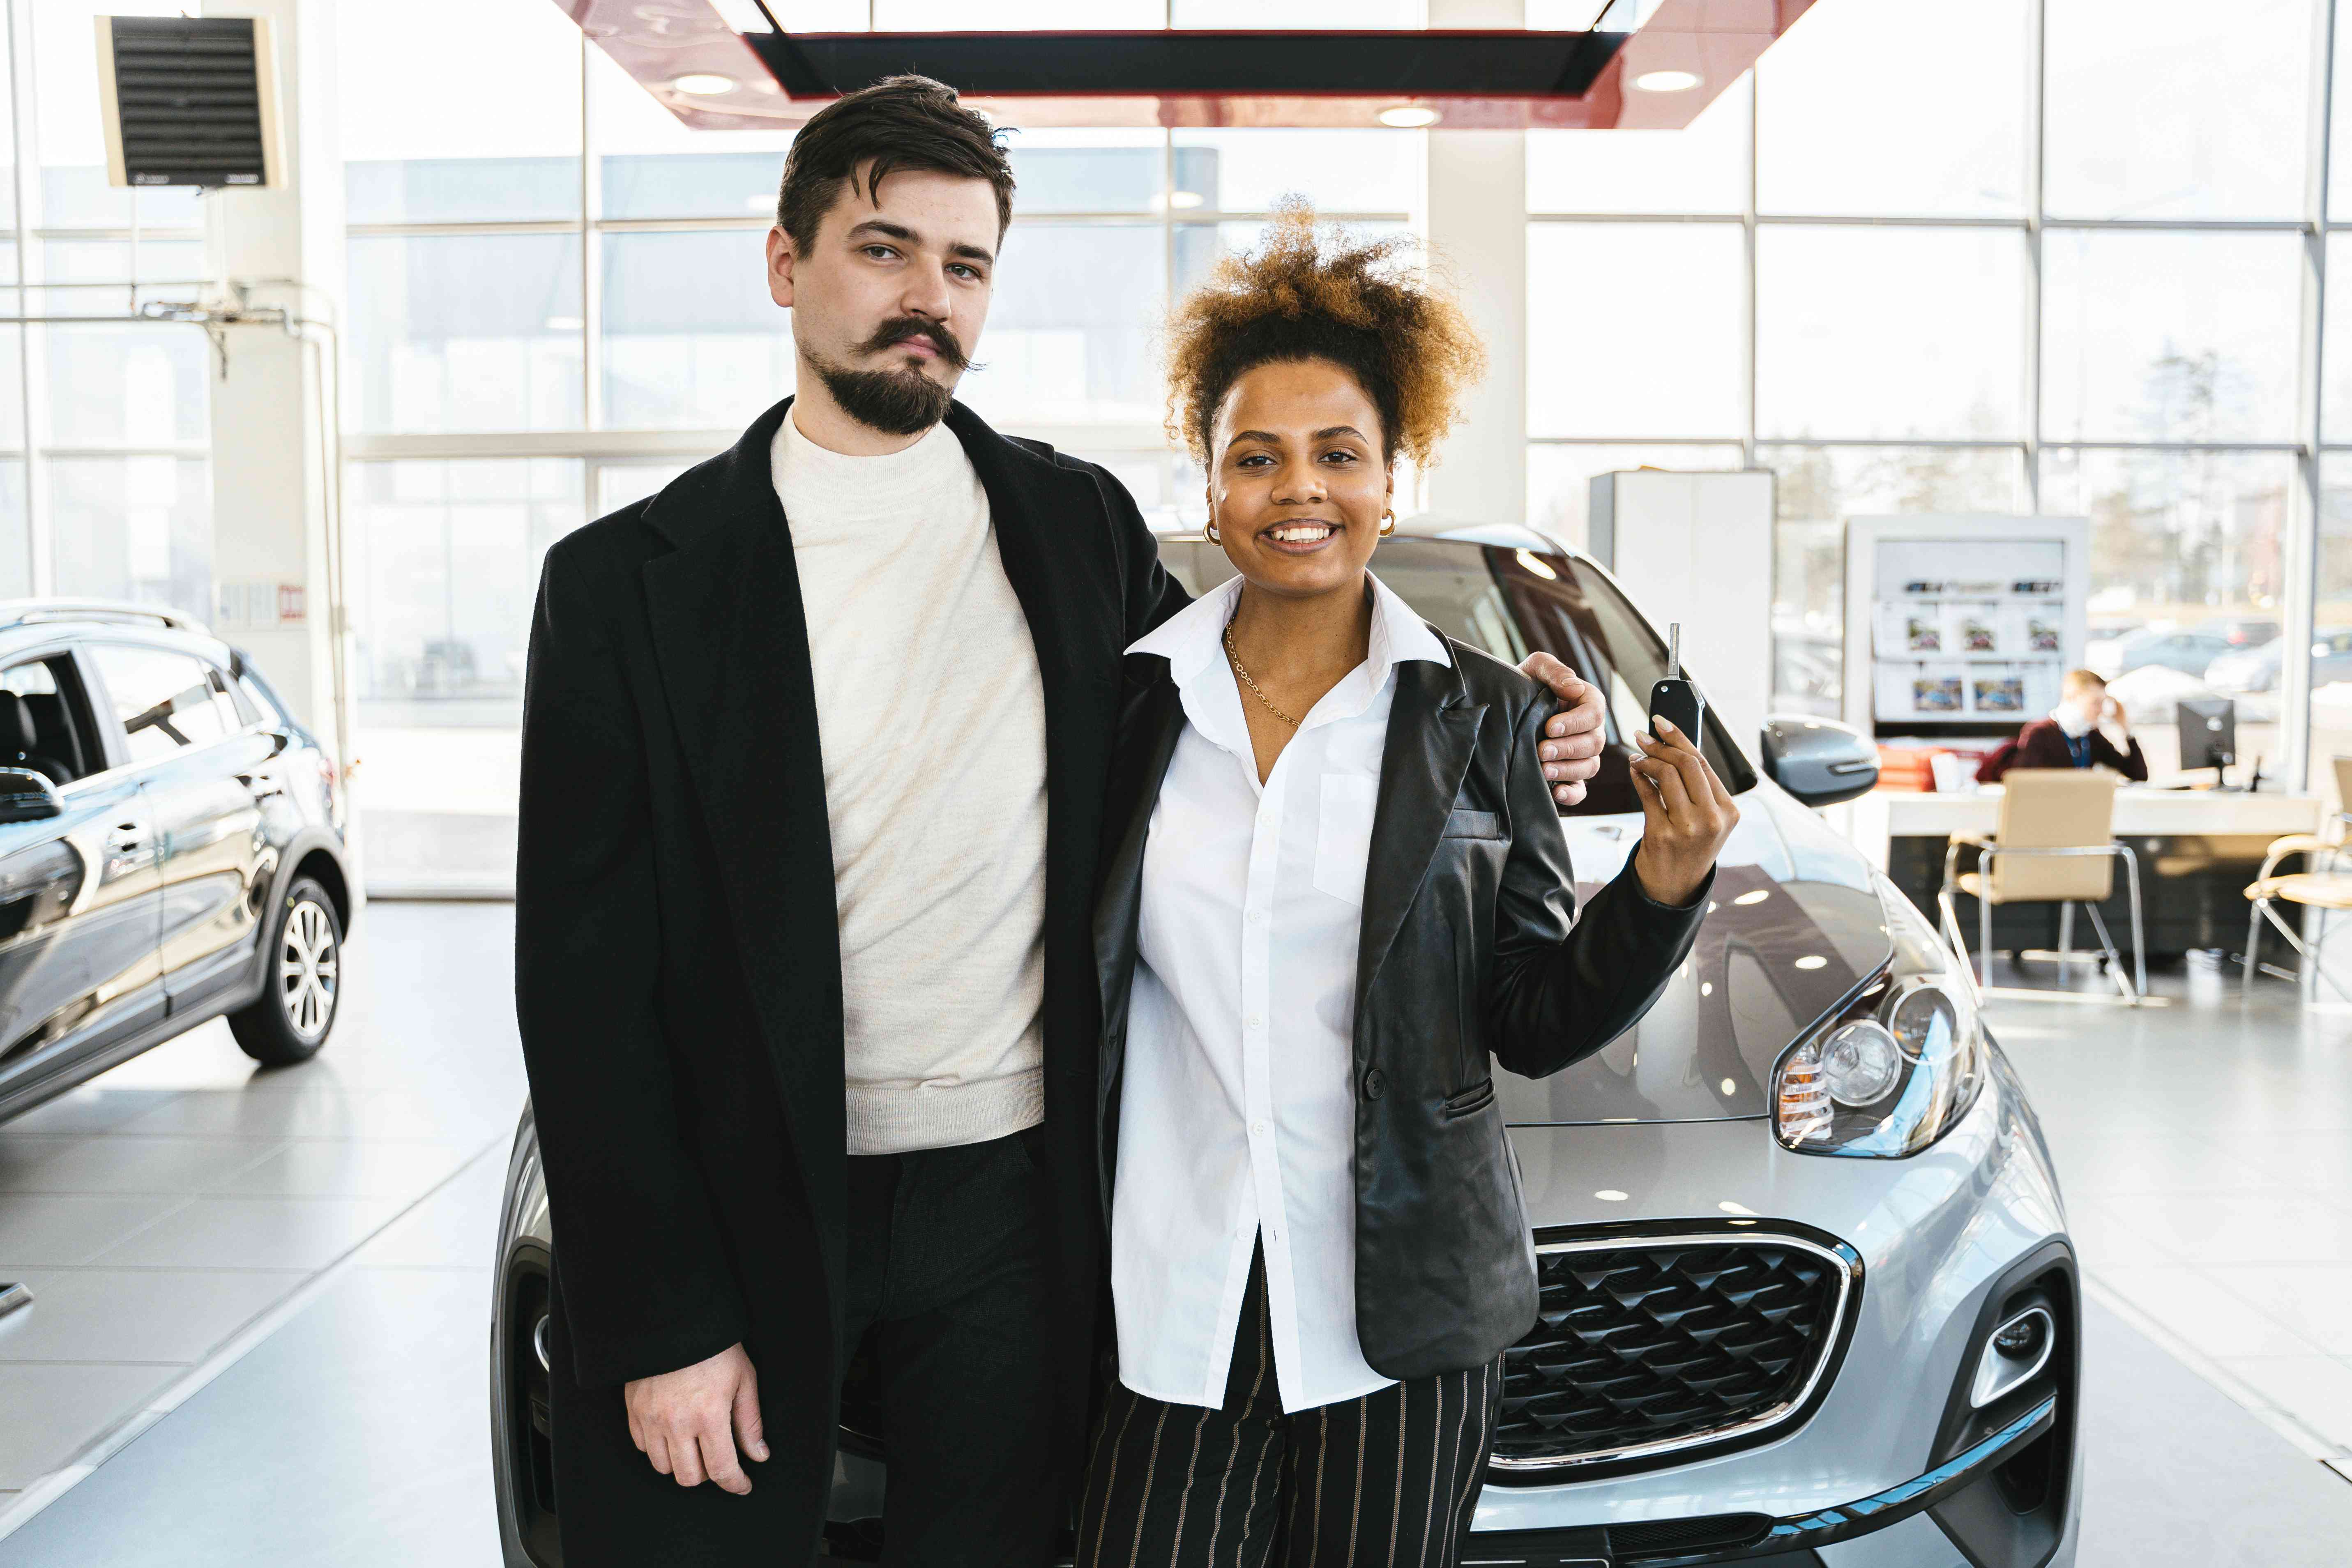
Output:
(302, 988)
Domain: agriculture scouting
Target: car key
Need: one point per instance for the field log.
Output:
(1675, 699)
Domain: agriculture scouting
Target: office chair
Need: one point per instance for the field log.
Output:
(2325, 889)
(2054, 844)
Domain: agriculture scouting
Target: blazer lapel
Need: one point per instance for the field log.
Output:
(1431, 729)
(732, 639)
(1151, 718)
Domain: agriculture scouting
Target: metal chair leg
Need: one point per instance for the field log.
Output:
(2066, 942)
(2114, 959)
(1984, 937)
(2253, 940)
(2304, 950)
(2139, 933)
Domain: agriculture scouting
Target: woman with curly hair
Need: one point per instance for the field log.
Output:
(1335, 892)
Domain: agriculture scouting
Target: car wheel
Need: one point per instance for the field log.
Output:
(290, 1021)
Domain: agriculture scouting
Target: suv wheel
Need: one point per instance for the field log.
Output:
(290, 1021)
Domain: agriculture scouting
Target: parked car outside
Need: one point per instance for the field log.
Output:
(1806, 1280)
(171, 849)
(2257, 669)
(2103, 651)
(2187, 652)
(2240, 631)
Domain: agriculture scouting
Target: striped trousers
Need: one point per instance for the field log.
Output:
(1386, 1480)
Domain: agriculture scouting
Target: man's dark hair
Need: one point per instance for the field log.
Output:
(901, 122)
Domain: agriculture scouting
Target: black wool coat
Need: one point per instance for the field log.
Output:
(679, 969)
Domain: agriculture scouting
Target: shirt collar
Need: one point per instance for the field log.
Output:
(2067, 718)
(1194, 635)
(1192, 642)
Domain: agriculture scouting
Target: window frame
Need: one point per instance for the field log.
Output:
(117, 738)
(73, 687)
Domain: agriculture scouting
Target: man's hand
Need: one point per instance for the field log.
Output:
(1686, 815)
(1572, 737)
(688, 1422)
(2111, 712)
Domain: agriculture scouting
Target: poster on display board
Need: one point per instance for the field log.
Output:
(1961, 623)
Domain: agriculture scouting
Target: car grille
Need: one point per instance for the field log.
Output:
(1645, 1349)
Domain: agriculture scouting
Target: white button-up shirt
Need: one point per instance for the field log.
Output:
(1237, 1115)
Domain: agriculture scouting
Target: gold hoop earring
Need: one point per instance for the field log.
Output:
(1388, 524)
(1210, 530)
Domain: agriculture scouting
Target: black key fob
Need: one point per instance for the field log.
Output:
(1677, 702)
(1675, 699)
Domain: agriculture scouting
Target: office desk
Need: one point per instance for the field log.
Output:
(2198, 849)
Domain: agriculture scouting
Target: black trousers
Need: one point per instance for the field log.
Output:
(948, 1299)
(1390, 1478)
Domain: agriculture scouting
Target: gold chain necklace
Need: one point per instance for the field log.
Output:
(1251, 682)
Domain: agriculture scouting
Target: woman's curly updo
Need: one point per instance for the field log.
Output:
(1308, 295)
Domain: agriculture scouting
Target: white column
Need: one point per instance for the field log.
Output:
(1474, 212)
(272, 447)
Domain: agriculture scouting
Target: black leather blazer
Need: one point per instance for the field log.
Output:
(1468, 958)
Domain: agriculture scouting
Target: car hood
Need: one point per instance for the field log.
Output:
(1793, 926)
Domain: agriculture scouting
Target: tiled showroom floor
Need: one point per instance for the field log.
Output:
(183, 1200)
(2205, 1152)
(297, 1266)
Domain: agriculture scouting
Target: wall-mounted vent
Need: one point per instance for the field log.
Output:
(189, 100)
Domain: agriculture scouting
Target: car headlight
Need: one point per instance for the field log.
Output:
(1898, 1066)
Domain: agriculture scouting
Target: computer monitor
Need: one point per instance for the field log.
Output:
(2208, 733)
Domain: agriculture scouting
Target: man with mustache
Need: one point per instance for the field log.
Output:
(813, 750)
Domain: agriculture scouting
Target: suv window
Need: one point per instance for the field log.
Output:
(167, 701)
(43, 723)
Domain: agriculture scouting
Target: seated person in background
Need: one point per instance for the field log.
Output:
(2087, 727)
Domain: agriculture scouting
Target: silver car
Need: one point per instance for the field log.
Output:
(1807, 1295)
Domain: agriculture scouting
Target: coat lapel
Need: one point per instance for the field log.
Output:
(1054, 575)
(1432, 730)
(1151, 721)
(730, 636)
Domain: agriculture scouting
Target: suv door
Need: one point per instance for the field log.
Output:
(197, 762)
(79, 904)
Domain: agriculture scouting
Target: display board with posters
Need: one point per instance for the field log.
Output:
(1960, 624)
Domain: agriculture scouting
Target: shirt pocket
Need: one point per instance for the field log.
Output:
(1343, 835)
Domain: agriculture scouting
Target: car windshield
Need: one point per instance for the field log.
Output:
(1515, 602)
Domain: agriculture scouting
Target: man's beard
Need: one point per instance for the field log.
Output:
(902, 402)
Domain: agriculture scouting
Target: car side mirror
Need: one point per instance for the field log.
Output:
(28, 796)
(1818, 760)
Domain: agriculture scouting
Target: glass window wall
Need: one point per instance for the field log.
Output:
(1911, 329)
(104, 422)
(558, 267)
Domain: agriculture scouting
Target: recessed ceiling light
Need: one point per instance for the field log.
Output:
(1184, 199)
(1813, 961)
(1409, 116)
(1610, 1195)
(702, 84)
(1665, 81)
(1537, 565)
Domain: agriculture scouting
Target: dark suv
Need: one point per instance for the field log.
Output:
(171, 848)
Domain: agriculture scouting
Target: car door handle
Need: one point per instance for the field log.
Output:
(262, 788)
(126, 836)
